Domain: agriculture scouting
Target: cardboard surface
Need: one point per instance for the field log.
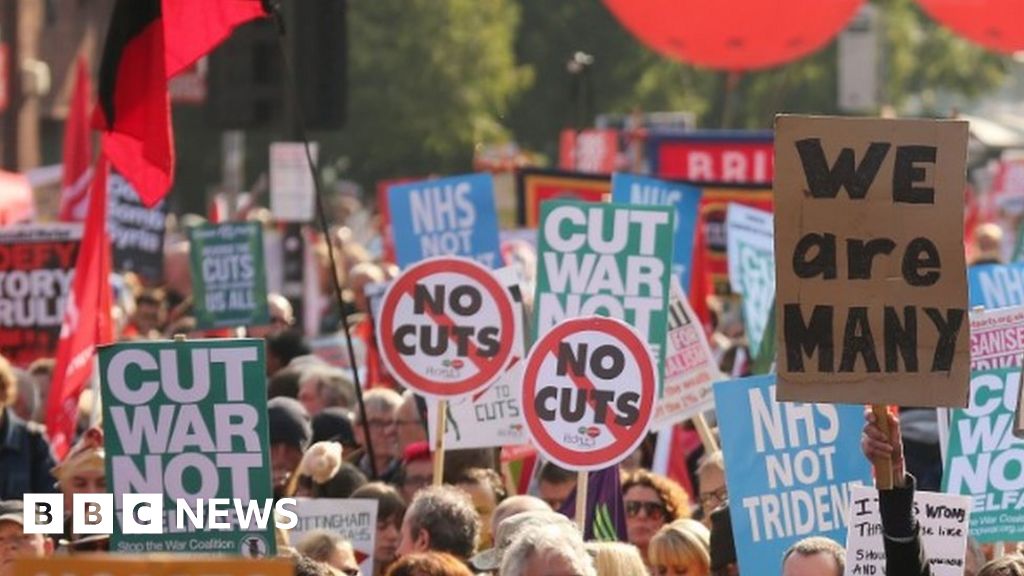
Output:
(871, 284)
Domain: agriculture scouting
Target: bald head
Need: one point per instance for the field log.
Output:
(514, 505)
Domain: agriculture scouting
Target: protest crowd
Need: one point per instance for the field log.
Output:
(815, 373)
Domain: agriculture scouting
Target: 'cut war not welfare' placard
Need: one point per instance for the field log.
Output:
(871, 286)
(790, 468)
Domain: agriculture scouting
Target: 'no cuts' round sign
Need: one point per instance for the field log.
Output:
(446, 327)
(588, 392)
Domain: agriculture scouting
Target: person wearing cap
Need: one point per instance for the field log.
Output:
(417, 471)
(14, 542)
(290, 433)
(82, 471)
(511, 528)
(25, 454)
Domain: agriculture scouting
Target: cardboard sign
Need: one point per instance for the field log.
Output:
(790, 468)
(871, 281)
(732, 156)
(749, 233)
(292, 191)
(189, 420)
(492, 416)
(447, 217)
(36, 267)
(714, 206)
(446, 327)
(690, 368)
(984, 459)
(996, 285)
(588, 392)
(629, 189)
(997, 338)
(608, 259)
(136, 232)
(534, 187)
(354, 520)
(229, 280)
(943, 520)
(153, 565)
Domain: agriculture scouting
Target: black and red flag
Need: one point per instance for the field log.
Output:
(148, 42)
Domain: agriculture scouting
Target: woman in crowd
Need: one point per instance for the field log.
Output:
(390, 513)
(616, 559)
(651, 501)
(682, 548)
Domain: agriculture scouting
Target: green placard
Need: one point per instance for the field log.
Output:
(984, 459)
(609, 260)
(229, 279)
(188, 419)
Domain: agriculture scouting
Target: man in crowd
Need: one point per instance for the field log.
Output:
(25, 456)
(440, 519)
(417, 470)
(290, 432)
(555, 485)
(13, 540)
(381, 406)
(552, 550)
(814, 556)
(323, 387)
(409, 423)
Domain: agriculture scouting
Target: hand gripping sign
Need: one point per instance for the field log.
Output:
(446, 327)
(588, 392)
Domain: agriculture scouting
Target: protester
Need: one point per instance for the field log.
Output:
(335, 424)
(14, 542)
(547, 551)
(285, 382)
(514, 505)
(440, 519)
(283, 347)
(409, 422)
(651, 501)
(322, 387)
(682, 548)
(331, 549)
(815, 556)
(381, 404)
(282, 317)
(290, 433)
(618, 559)
(555, 485)
(305, 566)
(711, 482)
(417, 471)
(390, 514)
(150, 315)
(1011, 565)
(41, 372)
(486, 489)
(429, 564)
(82, 471)
(509, 529)
(25, 455)
(988, 244)
(723, 547)
(348, 479)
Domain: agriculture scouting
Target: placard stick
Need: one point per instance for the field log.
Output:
(707, 438)
(439, 432)
(582, 480)
(883, 466)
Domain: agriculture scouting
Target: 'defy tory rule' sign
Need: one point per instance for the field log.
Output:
(871, 287)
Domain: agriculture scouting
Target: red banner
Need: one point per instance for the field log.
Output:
(588, 151)
(536, 186)
(740, 159)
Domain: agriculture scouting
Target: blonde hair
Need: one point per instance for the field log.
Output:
(8, 383)
(679, 543)
(616, 559)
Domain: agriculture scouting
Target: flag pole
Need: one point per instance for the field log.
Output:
(273, 7)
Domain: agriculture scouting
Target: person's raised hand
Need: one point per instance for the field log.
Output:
(876, 445)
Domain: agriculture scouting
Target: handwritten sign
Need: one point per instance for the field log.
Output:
(942, 518)
(871, 281)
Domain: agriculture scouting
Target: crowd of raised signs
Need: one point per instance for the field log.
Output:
(503, 509)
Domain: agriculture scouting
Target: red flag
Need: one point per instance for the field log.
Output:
(87, 322)
(74, 188)
(148, 42)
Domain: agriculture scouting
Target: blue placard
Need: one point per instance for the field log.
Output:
(630, 189)
(445, 217)
(789, 468)
(996, 285)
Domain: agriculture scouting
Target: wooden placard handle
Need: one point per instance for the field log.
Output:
(883, 466)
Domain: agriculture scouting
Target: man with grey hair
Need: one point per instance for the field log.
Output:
(551, 550)
(323, 387)
(440, 519)
(381, 409)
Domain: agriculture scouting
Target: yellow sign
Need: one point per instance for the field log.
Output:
(162, 565)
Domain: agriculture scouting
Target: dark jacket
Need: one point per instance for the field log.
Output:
(25, 458)
(904, 554)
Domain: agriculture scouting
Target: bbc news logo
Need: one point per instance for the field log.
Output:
(145, 514)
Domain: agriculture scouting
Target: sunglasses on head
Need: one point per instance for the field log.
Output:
(650, 509)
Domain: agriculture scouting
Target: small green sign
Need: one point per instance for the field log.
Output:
(229, 279)
(607, 260)
(188, 419)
